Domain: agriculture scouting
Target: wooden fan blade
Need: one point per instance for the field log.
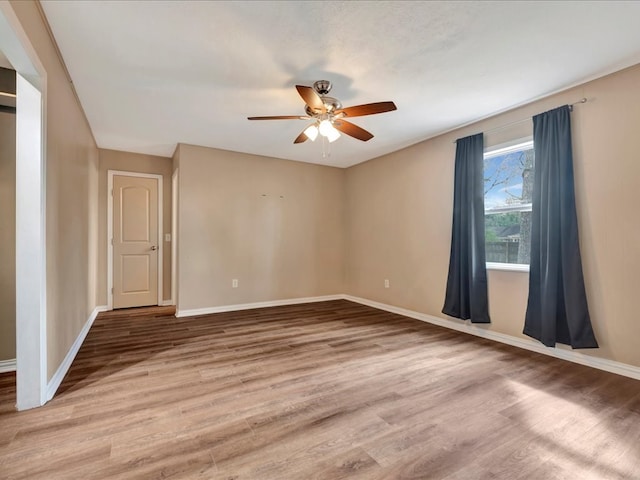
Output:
(301, 138)
(280, 117)
(311, 98)
(352, 130)
(367, 109)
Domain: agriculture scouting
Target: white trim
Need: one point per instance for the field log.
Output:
(8, 365)
(31, 273)
(159, 178)
(249, 306)
(174, 236)
(56, 380)
(559, 352)
(520, 207)
(16, 47)
(31, 320)
(165, 303)
(508, 267)
(515, 145)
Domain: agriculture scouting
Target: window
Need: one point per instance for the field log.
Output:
(508, 188)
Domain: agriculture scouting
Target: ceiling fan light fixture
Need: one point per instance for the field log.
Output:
(311, 132)
(333, 135)
(325, 128)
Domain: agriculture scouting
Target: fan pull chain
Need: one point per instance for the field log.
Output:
(326, 148)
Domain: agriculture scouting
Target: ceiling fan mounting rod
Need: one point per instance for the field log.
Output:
(322, 87)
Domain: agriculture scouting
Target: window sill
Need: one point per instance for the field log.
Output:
(508, 267)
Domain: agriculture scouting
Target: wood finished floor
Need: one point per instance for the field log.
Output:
(330, 390)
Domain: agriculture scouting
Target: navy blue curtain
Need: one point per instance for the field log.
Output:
(466, 295)
(557, 310)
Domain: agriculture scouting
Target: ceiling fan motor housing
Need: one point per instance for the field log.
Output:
(330, 103)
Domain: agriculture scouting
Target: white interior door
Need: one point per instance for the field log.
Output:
(135, 241)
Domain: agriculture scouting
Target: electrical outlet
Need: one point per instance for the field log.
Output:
(234, 283)
(386, 283)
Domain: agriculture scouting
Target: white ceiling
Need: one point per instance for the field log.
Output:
(151, 74)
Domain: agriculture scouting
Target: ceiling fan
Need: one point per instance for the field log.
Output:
(328, 115)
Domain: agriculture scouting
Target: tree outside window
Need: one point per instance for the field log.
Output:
(508, 189)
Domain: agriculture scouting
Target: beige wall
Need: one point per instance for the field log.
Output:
(71, 158)
(138, 163)
(399, 211)
(275, 225)
(7, 236)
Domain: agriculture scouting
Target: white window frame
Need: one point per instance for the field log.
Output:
(495, 151)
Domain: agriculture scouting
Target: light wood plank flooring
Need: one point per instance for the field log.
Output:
(330, 390)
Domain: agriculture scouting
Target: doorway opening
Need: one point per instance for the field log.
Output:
(30, 253)
(7, 228)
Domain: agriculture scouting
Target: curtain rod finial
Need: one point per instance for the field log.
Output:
(582, 100)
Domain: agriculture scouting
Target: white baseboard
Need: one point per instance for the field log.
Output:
(56, 380)
(561, 352)
(8, 365)
(249, 306)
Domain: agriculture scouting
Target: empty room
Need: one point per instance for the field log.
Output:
(373, 240)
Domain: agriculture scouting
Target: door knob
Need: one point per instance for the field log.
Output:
(153, 247)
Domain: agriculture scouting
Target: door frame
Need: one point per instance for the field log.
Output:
(174, 237)
(31, 270)
(159, 178)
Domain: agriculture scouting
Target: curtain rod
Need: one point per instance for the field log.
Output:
(582, 100)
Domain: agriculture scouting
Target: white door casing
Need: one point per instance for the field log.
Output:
(174, 238)
(31, 314)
